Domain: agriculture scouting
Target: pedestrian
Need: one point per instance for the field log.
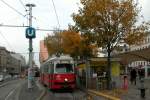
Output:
(133, 75)
(125, 82)
(141, 74)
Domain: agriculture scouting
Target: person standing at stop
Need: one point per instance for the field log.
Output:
(133, 75)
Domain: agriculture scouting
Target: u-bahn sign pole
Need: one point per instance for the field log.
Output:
(30, 34)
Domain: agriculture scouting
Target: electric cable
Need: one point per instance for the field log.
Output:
(6, 41)
(33, 52)
(13, 8)
(38, 29)
(23, 5)
(56, 14)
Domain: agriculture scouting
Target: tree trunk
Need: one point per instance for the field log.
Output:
(109, 66)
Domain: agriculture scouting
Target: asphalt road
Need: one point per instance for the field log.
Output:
(10, 90)
(65, 95)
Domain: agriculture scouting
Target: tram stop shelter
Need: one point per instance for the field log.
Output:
(92, 73)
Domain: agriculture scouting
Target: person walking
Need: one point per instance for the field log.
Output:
(141, 74)
(133, 75)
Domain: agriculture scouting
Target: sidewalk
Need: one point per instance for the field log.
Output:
(35, 94)
(133, 92)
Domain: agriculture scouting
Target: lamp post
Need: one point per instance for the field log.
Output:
(30, 33)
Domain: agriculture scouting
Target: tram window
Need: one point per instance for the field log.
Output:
(51, 69)
(64, 68)
(46, 68)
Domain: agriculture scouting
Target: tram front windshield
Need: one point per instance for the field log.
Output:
(64, 68)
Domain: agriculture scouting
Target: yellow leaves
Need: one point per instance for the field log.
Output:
(53, 44)
(111, 20)
(70, 41)
(135, 37)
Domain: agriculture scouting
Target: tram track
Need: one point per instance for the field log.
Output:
(63, 95)
(7, 83)
(10, 90)
(10, 93)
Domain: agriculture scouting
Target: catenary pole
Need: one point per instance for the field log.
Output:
(30, 69)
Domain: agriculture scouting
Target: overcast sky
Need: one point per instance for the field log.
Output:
(43, 17)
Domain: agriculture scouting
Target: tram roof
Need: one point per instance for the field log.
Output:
(62, 57)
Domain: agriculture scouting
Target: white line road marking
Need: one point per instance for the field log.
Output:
(10, 93)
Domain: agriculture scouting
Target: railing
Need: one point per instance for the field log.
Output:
(99, 83)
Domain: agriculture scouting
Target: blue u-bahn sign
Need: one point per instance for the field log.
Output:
(30, 32)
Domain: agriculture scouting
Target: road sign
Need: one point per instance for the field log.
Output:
(30, 32)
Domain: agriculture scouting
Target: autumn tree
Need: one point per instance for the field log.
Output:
(69, 42)
(105, 22)
(53, 43)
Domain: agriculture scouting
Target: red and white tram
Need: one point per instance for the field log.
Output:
(58, 73)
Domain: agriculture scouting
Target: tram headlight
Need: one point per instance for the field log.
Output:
(66, 80)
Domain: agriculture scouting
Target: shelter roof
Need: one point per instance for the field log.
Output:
(138, 55)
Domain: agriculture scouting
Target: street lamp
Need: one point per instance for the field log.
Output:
(30, 34)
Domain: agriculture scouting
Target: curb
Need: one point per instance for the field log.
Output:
(43, 91)
(42, 95)
(103, 95)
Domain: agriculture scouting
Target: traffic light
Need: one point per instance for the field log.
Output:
(30, 33)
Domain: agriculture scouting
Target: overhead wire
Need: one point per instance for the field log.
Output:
(33, 52)
(23, 5)
(12, 8)
(6, 41)
(25, 9)
(38, 29)
(4, 25)
(56, 13)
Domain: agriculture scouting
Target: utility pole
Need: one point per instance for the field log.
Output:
(30, 33)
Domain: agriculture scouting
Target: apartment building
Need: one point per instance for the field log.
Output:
(10, 62)
(145, 44)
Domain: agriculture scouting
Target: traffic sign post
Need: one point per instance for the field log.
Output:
(30, 34)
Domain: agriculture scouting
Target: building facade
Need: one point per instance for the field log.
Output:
(43, 52)
(10, 63)
(17, 63)
(145, 44)
(4, 62)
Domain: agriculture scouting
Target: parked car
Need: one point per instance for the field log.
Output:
(1, 78)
